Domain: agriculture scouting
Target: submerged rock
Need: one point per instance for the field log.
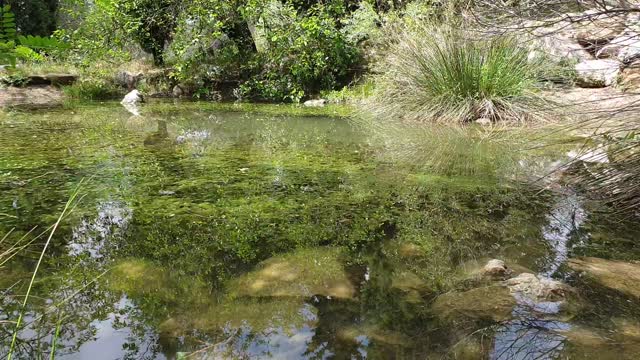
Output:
(303, 273)
(597, 73)
(538, 288)
(618, 275)
(493, 302)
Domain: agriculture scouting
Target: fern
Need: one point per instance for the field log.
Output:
(7, 24)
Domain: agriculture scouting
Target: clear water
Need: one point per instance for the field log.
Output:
(257, 233)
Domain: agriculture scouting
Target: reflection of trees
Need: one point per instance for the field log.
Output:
(528, 338)
(66, 310)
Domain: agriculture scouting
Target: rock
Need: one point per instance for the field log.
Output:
(489, 302)
(133, 97)
(597, 73)
(630, 78)
(52, 79)
(128, 79)
(32, 97)
(538, 288)
(484, 121)
(597, 30)
(301, 274)
(495, 269)
(624, 48)
(179, 91)
(556, 41)
(315, 103)
(618, 275)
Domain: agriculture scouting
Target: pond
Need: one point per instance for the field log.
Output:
(206, 231)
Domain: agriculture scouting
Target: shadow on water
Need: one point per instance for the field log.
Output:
(240, 235)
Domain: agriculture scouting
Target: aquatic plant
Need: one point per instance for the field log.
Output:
(441, 73)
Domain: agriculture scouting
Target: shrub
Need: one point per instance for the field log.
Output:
(93, 89)
(304, 53)
(441, 74)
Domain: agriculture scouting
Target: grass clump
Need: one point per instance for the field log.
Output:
(442, 74)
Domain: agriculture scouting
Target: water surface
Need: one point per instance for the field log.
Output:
(211, 233)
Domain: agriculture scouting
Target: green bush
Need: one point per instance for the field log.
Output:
(441, 74)
(305, 53)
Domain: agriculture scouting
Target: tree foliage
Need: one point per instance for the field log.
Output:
(150, 22)
(35, 17)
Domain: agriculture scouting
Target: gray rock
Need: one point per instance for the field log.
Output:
(624, 48)
(315, 103)
(557, 42)
(179, 91)
(128, 79)
(597, 73)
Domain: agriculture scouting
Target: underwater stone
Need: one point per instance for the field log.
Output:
(617, 275)
(538, 288)
(489, 302)
(303, 273)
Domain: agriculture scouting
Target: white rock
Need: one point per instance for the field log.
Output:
(597, 73)
(133, 97)
(315, 103)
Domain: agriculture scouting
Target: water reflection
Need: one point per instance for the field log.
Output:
(526, 339)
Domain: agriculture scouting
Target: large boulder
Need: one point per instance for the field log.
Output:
(597, 73)
(618, 275)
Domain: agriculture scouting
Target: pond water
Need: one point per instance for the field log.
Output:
(204, 232)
